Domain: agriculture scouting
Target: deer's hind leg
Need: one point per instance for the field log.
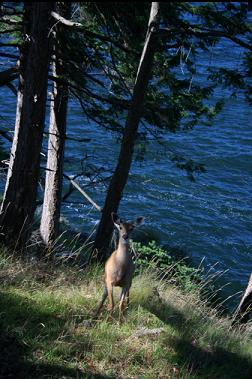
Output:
(127, 298)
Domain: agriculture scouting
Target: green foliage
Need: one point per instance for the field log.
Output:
(101, 62)
(11, 28)
(167, 265)
(152, 256)
(173, 99)
(105, 69)
(238, 80)
(189, 166)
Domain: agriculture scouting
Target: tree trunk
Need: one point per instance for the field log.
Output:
(120, 176)
(244, 309)
(49, 227)
(19, 201)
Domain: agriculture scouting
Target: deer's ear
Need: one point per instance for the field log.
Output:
(116, 220)
(139, 221)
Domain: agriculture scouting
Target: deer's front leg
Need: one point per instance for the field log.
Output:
(122, 303)
(111, 299)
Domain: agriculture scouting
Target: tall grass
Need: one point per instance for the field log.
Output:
(167, 333)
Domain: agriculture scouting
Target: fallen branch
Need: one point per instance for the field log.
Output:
(76, 185)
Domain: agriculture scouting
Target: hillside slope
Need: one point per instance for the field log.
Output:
(167, 333)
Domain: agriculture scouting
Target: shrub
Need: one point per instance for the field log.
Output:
(155, 257)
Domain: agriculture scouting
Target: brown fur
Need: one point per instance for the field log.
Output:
(119, 267)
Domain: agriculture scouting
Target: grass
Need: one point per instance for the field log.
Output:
(167, 333)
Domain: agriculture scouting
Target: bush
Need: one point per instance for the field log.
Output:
(152, 256)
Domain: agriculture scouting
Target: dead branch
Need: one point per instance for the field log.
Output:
(76, 185)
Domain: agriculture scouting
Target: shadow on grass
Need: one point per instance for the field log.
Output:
(209, 362)
(24, 328)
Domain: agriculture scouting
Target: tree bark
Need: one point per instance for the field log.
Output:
(120, 176)
(18, 204)
(242, 313)
(49, 227)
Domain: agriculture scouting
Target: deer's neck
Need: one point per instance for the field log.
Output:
(123, 250)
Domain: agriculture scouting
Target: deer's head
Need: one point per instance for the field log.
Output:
(125, 228)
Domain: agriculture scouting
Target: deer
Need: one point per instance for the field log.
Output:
(119, 267)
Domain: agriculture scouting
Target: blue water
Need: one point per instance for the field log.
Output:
(209, 219)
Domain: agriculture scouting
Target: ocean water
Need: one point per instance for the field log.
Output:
(210, 219)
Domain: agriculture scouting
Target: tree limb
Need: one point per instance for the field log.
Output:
(203, 32)
(9, 21)
(111, 100)
(80, 28)
(10, 11)
(9, 44)
(10, 30)
(219, 33)
(69, 138)
(12, 88)
(8, 75)
(5, 135)
(7, 55)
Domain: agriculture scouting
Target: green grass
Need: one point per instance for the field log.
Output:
(45, 334)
